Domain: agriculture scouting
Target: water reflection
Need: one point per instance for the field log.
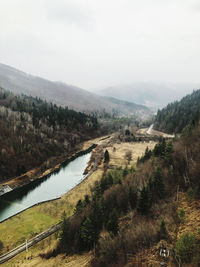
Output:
(52, 186)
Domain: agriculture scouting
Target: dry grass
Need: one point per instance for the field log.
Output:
(31, 258)
(192, 215)
(118, 156)
(191, 224)
(142, 131)
(82, 189)
(61, 260)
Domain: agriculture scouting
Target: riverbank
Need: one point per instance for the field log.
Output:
(49, 189)
(37, 173)
(34, 220)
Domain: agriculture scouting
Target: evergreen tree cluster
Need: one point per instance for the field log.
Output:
(163, 150)
(152, 192)
(176, 116)
(111, 197)
(90, 216)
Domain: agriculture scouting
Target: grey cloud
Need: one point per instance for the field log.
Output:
(70, 13)
(98, 43)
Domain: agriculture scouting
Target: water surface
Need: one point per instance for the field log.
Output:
(44, 189)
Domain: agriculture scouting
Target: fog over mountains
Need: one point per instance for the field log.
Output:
(152, 94)
(66, 95)
(119, 100)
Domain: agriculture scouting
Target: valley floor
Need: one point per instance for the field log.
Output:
(27, 224)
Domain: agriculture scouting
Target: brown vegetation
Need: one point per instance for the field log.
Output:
(138, 239)
(38, 134)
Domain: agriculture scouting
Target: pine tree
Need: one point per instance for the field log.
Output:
(106, 156)
(79, 206)
(162, 233)
(158, 184)
(144, 201)
(87, 234)
(168, 153)
(132, 196)
(112, 225)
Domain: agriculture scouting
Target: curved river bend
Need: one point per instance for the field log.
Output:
(45, 189)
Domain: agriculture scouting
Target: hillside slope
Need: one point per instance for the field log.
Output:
(175, 116)
(32, 131)
(63, 94)
(133, 210)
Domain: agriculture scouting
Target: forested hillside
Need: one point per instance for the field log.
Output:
(132, 210)
(175, 116)
(32, 131)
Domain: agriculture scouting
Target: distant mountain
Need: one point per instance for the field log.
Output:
(151, 94)
(64, 94)
(128, 107)
(177, 115)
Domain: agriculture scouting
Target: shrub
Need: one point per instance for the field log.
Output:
(1, 245)
(107, 251)
(182, 215)
(112, 224)
(185, 247)
(162, 233)
(139, 235)
(192, 193)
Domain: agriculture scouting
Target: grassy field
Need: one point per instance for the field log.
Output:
(27, 224)
(24, 226)
(118, 153)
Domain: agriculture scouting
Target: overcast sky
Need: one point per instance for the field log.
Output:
(99, 43)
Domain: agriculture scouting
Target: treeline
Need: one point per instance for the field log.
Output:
(42, 112)
(33, 130)
(163, 150)
(113, 124)
(176, 116)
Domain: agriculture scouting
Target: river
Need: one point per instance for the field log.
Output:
(45, 189)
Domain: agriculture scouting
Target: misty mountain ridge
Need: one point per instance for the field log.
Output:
(151, 94)
(63, 94)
